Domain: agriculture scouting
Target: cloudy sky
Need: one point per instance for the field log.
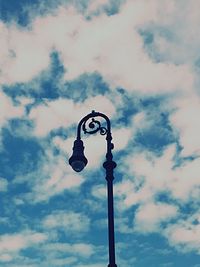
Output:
(138, 62)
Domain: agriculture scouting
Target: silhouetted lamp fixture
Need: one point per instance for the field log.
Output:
(78, 161)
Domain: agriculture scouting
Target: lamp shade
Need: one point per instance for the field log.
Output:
(78, 160)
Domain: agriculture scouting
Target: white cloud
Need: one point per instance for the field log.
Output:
(59, 180)
(125, 193)
(11, 244)
(121, 138)
(24, 101)
(77, 249)
(149, 216)
(64, 113)
(148, 177)
(52, 178)
(99, 191)
(62, 261)
(117, 53)
(8, 110)
(183, 44)
(186, 122)
(82, 249)
(96, 5)
(3, 185)
(5, 257)
(23, 55)
(110, 45)
(184, 235)
(4, 220)
(71, 222)
(153, 175)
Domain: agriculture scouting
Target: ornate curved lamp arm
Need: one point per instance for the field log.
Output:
(94, 126)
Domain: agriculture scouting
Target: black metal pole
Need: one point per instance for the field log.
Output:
(111, 236)
(109, 166)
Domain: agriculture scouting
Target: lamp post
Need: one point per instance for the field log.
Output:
(78, 161)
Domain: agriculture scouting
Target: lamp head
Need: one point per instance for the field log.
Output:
(78, 160)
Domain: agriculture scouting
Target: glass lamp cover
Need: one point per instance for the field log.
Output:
(78, 165)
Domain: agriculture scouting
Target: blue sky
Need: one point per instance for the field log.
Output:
(137, 62)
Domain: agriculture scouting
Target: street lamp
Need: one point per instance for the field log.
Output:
(78, 161)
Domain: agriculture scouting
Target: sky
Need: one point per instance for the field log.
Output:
(138, 62)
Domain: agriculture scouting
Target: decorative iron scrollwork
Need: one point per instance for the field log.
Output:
(93, 126)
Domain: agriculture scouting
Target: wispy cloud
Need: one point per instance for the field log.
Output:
(160, 189)
(3, 184)
(70, 222)
(185, 121)
(8, 110)
(149, 217)
(88, 46)
(12, 244)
